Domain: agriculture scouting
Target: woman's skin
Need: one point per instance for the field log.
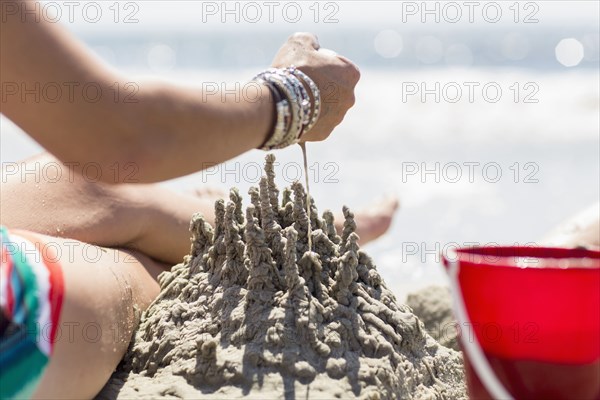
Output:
(147, 218)
(106, 291)
(143, 230)
(167, 132)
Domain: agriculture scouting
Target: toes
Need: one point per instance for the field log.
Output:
(392, 202)
(208, 192)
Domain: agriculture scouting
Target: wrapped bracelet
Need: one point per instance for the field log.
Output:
(316, 109)
(295, 113)
(286, 107)
(287, 89)
(302, 94)
(282, 117)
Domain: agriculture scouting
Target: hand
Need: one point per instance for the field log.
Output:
(335, 76)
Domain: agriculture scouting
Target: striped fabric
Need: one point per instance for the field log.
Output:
(31, 295)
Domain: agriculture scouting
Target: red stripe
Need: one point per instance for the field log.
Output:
(57, 288)
(10, 296)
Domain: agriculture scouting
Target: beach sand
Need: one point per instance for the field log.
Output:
(253, 312)
(433, 306)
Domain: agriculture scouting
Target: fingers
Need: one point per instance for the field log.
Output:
(353, 71)
(328, 52)
(306, 38)
(335, 75)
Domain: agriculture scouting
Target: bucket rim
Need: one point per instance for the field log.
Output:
(530, 257)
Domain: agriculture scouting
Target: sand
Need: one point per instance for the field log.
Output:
(253, 312)
(433, 306)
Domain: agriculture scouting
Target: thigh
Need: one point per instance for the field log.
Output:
(43, 195)
(105, 292)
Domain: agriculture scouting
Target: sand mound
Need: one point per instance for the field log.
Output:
(253, 312)
(433, 306)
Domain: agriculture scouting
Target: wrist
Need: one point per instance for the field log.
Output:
(296, 110)
(268, 109)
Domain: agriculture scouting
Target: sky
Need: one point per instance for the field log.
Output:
(192, 15)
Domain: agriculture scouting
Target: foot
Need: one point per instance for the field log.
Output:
(373, 221)
(211, 193)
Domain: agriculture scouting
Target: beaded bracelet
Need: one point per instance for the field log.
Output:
(316, 109)
(282, 113)
(286, 108)
(295, 113)
(286, 87)
(301, 93)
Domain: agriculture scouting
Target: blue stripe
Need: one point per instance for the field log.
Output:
(20, 311)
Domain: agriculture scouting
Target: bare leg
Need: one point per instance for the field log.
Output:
(106, 291)
(373, 221)
(147, 218)
(57, 202)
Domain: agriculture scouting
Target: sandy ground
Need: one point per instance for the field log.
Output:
(433, 306)
(254, 312)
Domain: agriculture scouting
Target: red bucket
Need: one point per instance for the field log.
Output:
(529, 320)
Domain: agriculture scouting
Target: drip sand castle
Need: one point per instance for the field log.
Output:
(253, 312)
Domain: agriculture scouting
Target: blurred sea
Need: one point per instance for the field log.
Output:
(487, 166)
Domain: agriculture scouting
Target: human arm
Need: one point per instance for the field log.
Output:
(170, 131)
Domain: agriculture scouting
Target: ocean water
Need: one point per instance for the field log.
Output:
(482, 131)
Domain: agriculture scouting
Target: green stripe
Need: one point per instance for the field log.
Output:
(20, 378)
(30, 290)
(4, 233)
